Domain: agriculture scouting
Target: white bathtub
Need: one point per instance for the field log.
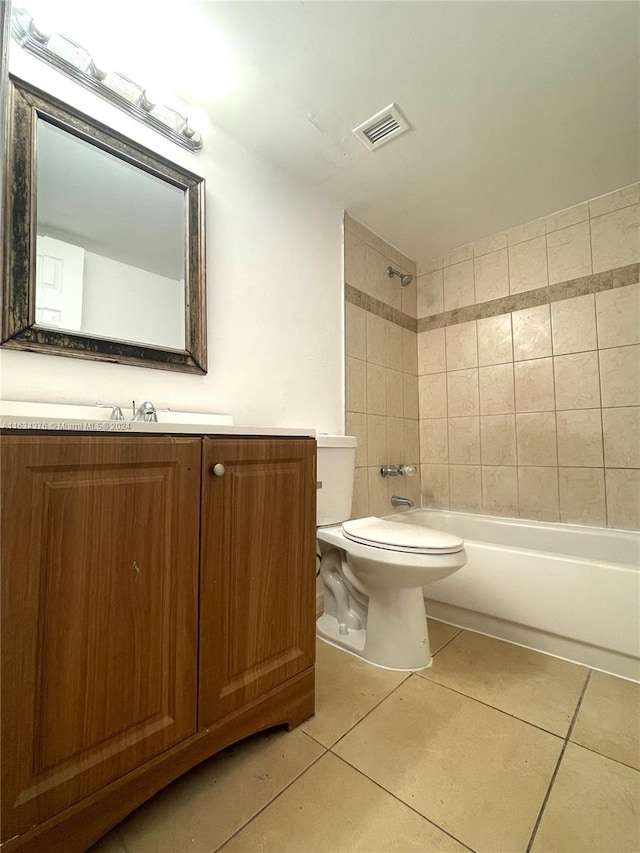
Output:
(568, 590)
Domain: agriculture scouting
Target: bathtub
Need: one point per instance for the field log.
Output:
(564, 589)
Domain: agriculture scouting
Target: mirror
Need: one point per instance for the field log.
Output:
(109, 236)
(105, 243)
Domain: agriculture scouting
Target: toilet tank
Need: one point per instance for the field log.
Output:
(335, 469)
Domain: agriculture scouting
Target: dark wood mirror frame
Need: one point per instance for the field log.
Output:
(19, 330)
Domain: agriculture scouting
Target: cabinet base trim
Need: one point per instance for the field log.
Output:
(78, 827)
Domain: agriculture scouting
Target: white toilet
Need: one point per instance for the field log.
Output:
(373, 570)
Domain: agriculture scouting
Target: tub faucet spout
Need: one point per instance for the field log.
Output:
(396, 500)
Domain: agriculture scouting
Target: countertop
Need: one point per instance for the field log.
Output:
(71, 418)
(68, 425)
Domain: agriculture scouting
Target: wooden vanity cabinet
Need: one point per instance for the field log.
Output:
(257, 515)
(152, 614)
(99, 613)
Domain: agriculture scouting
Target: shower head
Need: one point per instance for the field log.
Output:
(405, 278)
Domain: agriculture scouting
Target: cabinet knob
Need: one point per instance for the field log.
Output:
(218, 469)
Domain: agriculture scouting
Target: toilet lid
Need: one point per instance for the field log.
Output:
(410, 538)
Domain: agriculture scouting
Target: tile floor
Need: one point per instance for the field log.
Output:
(495, 748)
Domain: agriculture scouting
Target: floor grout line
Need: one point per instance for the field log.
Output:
(315, 740)
(488, 705)
(351, 728)
(404, 680)
(329, 750)
(604, 755)
(399, 800)
(272, 800)
(566, 739)
(326, 750)
(444, 645)
(425, 677)
(557, 767)
(579, 705)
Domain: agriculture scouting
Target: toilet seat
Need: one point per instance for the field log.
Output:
(408, 538)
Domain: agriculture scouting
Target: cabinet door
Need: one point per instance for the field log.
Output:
(99, 612)
(257, 582)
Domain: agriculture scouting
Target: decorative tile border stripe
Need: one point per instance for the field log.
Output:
(595, 283)
(381, 309)
(608, 280)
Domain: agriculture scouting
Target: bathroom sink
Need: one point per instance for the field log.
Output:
(63, 417)
(51, 415)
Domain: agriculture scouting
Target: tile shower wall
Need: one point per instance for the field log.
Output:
(529, 369)
(381, 369)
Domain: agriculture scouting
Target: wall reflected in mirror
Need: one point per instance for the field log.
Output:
(110, 257)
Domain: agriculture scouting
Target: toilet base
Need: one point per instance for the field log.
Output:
(355, 642)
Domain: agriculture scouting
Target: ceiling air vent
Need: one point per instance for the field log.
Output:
(382, 127)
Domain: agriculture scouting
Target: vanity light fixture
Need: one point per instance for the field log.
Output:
(76, 62)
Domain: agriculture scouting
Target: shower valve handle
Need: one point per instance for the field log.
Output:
(398, 470)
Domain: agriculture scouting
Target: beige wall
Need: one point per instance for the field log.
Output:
(381, 369)
(529, 369)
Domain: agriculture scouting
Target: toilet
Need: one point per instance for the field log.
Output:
(373, 569)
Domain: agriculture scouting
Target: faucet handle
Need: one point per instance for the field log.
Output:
(116, 411)
(390, 470)
(398, 470)
(146, 412)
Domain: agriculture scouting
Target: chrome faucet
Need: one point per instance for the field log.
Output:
(116, 411)
(396, 500)
(145, 412)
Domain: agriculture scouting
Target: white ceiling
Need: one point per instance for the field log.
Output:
(518, 108)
